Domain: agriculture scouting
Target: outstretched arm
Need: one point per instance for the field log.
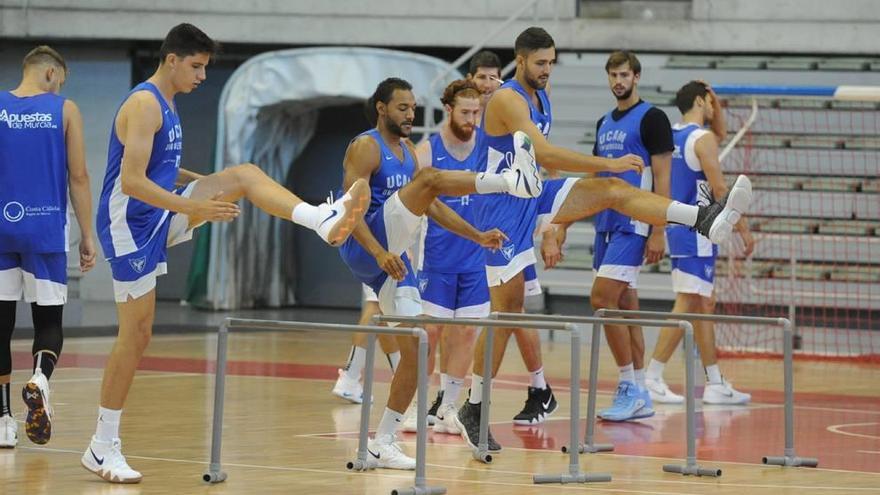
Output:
(509, 109)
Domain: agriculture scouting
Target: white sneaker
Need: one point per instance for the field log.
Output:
(724, 393)
(660, 392)
(738, 200)
(338, 218)
(387, 454)
(523, 178)
(106, 460)
(8, 432)
(445, 422)
(348, 389)
(38, 424)
(411, 418)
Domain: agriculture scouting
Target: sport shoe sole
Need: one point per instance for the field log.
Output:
(355, 208)
(106, 475)
(37, 426)
(737, 203)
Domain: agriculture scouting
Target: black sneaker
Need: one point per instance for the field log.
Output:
(468, 421)
(717, 219)
(540, 404)
(432, 412)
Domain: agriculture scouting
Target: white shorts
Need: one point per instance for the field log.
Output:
(368, 294)
(37, 277)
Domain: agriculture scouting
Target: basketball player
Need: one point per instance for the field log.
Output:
(42, 157)
(402, 193)
(696, 178)
(522, 105)
(141, 213)
(484, 70)
(623, 244)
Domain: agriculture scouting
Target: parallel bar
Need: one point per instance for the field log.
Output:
(482, 453)
(215, 473)
(362, 462)
(428, 320)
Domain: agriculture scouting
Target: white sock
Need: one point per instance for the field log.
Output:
(537, 378)
(476, 389)
(453, 388)
(682, 214)
(108, 424)
(490, 183)
(356, 361)
(627, 373)
(713, 374)
(391, 421)
(640, 379)
(394, 360)
(444, 381)
(306, 215)
(655, 370)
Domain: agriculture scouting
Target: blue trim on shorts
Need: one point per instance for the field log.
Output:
(618, 248)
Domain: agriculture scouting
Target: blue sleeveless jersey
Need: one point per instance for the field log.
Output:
(504, 211)
(686, 178)
(33, 174)
(444, 251)
(614, 140)
(125, 224)
(391, 175)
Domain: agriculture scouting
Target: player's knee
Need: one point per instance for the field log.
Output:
(429, 178)
(601, 299)
(616, 189)
(247, 172)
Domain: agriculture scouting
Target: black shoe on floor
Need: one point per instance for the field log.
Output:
(540, 404)
(468, 421)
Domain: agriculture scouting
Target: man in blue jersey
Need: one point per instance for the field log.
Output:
(522, 105)
(42, 157)
(622, 244)
(402, 193)
(696, 178)
(452, 271)
(141, 213)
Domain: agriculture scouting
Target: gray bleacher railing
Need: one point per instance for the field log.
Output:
(589, 446)
(215, 472)
(574, 475)
(788, 458)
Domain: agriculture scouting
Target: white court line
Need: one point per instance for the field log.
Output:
(838, 429)
(868, 451)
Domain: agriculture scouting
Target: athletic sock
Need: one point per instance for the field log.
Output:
(627, 373)
(537, 379)
(356, 361)
(391, 421)
(108, 424)
(655, 370)
(393, 360)
(45, 362)
(640, 379)
(681, 213)
(306, 215)
(490, 183)
(713, 374)
(476, 389)
(5, 404)
(444, 380)
(453, 389)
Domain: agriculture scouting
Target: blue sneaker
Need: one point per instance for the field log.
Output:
(629, 403)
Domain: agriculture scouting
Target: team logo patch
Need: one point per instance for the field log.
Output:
(708, 271)
(13, 211)
(138, 264)
(423, 284)
(507, 251)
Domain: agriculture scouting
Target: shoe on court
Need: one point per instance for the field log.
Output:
(523, 178)
(540, 404)
(338, 218)
(629, 403)
(468, 422)
(660, 392)
(8, 432)
(445, 422)
(411, 418)
(387, 454)
(432, 412)
(348, 389)
(38, 424)
(106, 460)
(716, 220)
(724, 393)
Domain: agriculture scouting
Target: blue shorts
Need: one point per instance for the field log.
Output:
(396, 228)
(135, 274)
(619, 256)
(454, 295)
(37, 277)
(520, 219)
(693, 275)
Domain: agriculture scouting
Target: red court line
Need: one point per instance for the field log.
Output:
(23, 359)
